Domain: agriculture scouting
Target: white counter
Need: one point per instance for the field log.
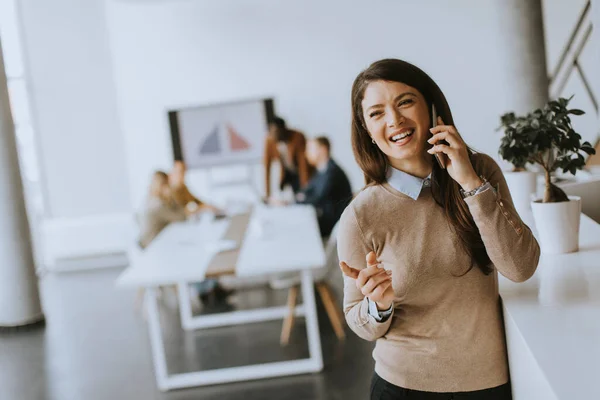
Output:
(553, 324)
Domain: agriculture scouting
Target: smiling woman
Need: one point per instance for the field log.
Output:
(383, 106)
(420, 246)
(393, 119)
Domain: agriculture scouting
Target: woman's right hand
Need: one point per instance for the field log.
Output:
(373, 282)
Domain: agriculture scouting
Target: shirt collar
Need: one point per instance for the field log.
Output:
(324, 167)
(406, 183)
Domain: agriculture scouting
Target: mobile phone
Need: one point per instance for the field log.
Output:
(440, 157)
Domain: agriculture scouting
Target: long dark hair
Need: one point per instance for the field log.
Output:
(374, 162)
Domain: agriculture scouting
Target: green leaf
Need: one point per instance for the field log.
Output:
(589, 150)
(544, 129)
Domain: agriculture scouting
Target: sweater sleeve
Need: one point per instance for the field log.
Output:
(192, 198)
(156, 217)
(510, 244)
(353, 249)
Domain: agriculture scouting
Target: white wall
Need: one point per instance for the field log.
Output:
(81, 147)
(305, 54)
(74, 105)
(102, 141)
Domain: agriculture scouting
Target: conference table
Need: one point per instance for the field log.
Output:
(263, 241)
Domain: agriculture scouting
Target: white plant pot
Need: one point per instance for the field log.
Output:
(557, 225)
(522, 186)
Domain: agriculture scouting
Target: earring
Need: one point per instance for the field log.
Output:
(373, 140)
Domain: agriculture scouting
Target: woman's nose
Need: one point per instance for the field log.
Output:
(395, 119)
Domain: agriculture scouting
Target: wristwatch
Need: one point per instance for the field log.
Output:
(477, 190)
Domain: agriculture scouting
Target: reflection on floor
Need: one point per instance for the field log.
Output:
(95, 347)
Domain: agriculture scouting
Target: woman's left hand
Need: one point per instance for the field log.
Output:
(458, 165)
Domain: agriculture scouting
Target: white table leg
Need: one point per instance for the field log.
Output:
(185, 306)
(312, 320)
(230, 318)
(234, 374)
(233, 318)
(223, 375)
(156, 340)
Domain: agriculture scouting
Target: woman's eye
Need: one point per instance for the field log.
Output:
(405, 102)
(374, 114)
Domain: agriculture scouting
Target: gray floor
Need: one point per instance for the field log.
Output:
(95, 346)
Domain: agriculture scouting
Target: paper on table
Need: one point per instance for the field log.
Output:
(181, 253)
(221, 245)
(237, 208)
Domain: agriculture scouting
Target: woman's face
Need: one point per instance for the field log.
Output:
(314, 152)
(397, 118)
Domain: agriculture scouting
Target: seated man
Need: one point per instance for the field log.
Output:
(287, 147)
(329, 190)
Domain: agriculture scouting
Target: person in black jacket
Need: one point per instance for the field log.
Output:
(328, 190)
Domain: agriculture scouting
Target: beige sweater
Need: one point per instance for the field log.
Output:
(157, 215)
(446, 332)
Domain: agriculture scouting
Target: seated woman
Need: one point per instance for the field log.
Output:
(160, 209)
(209, 290)
(182, 195)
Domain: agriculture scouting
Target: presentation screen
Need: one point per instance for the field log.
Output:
(220, 134)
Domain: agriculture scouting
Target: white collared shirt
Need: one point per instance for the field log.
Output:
(406, 183)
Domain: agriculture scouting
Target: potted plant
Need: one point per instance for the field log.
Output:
(515, 149)
(547, 138)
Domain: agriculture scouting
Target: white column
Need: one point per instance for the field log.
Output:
(595, 43)
(522, 44)
(19, 295)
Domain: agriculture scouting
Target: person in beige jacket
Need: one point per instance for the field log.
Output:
(160, 209)
(421, 246)
(182, 195)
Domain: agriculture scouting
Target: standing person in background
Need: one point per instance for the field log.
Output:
(421, 246)
(328, 191)
(286, 146)
(209, 291)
